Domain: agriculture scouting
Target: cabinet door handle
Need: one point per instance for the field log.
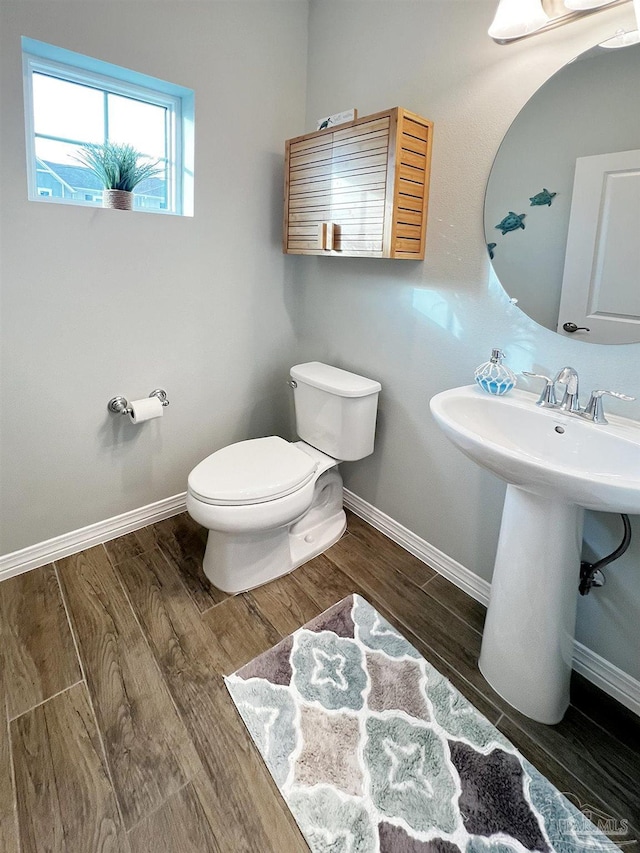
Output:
(325, 236)
(329, 235)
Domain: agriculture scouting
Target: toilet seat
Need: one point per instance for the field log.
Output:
(251, 472)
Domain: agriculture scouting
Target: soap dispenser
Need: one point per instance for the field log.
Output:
(493, 376)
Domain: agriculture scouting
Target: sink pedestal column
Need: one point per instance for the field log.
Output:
(527, 645)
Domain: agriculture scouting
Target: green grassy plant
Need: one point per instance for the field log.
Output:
(117, 167)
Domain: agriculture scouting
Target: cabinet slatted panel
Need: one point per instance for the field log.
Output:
(360, 159)
(311, 191)
(309, 185)
(413, 158)
(348, 186)
(373, 211)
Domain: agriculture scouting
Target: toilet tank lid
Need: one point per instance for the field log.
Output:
(333, 379)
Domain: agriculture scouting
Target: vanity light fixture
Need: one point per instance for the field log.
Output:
(516, 19)
(622, 38)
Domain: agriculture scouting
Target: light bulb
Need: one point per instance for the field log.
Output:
(517, 18)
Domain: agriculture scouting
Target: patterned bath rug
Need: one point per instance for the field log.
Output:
(375, 752)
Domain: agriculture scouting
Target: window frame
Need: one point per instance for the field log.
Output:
(41, 58)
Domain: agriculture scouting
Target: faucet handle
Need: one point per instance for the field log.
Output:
(548, 395)
(594, 410)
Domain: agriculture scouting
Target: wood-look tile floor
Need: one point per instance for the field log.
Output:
(118, 732)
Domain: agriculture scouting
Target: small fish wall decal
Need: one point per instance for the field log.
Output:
(490, 248)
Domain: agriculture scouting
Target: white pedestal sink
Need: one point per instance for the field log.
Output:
(556, 465)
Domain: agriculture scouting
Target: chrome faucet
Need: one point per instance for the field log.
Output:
(568, 376)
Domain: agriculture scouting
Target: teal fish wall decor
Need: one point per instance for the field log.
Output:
(511, 222)
(544, 197)
(490, 248)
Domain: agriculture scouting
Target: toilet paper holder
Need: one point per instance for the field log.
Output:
(120, 405)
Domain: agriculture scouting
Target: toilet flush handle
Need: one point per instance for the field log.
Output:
(292, 383)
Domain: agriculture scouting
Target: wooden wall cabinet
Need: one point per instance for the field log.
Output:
(360, 190)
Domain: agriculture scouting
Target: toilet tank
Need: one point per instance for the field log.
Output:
(335, 410)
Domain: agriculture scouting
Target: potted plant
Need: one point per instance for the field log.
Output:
(119, 168)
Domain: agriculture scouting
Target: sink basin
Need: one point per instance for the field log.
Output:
(555, 465)
(544, 450)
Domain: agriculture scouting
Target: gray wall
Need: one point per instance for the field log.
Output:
(423, 327)
(590, 107)
(99, 302)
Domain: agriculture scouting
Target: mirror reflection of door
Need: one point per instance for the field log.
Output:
(601, 283)
(588, 108)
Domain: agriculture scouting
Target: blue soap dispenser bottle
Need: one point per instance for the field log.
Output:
(493, 376)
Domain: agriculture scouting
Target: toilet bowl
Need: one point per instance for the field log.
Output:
(258, 538)
(269, 504)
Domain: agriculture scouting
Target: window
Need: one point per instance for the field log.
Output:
(71, 100)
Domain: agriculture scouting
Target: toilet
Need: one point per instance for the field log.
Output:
(269, 504)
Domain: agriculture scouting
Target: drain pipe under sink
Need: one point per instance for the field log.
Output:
(591, 573)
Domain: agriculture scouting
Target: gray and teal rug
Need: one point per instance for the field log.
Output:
(375, 752)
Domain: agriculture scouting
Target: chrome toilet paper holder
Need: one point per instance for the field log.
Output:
(120, 405)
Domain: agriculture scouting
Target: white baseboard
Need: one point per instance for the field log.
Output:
(94, 534)
(607, 677)
(449, 568)
(596, 669)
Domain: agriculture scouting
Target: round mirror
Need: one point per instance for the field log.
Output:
(562, 207)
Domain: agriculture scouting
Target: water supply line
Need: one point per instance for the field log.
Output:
(591, 573)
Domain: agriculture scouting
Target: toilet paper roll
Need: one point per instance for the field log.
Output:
(145, 410)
